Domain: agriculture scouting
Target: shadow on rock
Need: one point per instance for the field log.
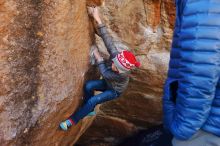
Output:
(155, 136)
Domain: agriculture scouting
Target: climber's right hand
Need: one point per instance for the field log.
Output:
(94, 12)
(97, 55)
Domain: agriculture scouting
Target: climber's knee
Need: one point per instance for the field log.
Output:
(89, 86)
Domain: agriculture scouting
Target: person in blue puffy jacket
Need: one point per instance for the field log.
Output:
(191, 101)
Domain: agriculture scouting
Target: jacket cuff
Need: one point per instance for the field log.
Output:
(100, 62)
(101, 29)
(101, 25)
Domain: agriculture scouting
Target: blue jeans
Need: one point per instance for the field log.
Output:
(92, 100)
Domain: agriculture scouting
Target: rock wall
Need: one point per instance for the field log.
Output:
(146, 27)
(44, 47)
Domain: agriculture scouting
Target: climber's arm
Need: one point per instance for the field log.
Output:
(97, 55)
(106, 73)
(107, 40)
(104, 33)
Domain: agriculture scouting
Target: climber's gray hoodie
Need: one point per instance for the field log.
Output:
(116, 81)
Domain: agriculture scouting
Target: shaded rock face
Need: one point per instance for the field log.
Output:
(44, 47)
(146, 28)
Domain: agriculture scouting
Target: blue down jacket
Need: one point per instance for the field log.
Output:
(191, 98)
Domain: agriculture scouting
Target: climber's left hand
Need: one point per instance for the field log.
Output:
(94, 12)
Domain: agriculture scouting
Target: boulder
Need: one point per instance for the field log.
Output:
(44, 62)
(44, 47)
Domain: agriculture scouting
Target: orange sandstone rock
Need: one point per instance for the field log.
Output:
(94, 2)
(44, 48)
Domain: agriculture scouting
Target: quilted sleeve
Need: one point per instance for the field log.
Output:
(199, 67)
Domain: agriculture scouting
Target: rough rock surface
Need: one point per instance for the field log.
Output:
(44, 47)
(146, 27)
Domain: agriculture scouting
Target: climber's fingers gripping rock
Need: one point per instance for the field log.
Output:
(94, 12)
(89, 9)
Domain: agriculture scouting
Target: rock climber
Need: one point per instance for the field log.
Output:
(191, 101)
(115, 76)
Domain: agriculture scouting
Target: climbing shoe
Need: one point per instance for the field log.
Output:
(65, 125)
(93, 113)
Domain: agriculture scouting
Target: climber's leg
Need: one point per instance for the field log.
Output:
(91, 86)
(92, 102)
